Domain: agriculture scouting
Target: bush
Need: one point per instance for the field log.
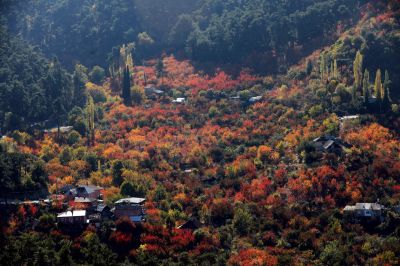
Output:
(97, 75)
(73, 137)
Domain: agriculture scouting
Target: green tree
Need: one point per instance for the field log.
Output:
(126, 89)
(79, 78)
(378, 88)
(242, 221)
(119, 59)
(386, 91)
(366, 86)
(127, 189)
(97, 75)
(138, 95)
(160, 193)
(309, 67)
(58, 89)
(117, 169)
(90, 111)
(160, 70)
(357, 70)
(332, 255)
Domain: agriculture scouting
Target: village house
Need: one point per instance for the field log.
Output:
(330, 144)
(104, 211)
(130, 207)
(77, 217)
(88, 204)
(63, 129)
(255, 99)
(88, 191)
(151, 91)
(192, 224)
(349, 121)
(364, 210)
(179, 100)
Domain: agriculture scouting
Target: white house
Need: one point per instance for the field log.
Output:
(72, 217)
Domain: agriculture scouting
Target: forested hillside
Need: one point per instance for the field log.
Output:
(249, 32)
(32, 88)
(204, 132)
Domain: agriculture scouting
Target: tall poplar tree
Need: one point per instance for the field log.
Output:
(366, 86)
(357, 70)
(386, 90)
(378, 88)
(90, 109)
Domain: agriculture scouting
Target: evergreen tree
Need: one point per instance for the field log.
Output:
(309, 67)
(79, 78)
(126, 89)
(160, 70)
(357, 70)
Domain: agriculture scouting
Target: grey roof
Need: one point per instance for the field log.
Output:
(369, 206)
(328, 144)
(89, 188)
(131, 200)
(83, 200)
(364, 206)
(63, 129)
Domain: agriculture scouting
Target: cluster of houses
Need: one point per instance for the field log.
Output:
(86, 206)
(152, 92)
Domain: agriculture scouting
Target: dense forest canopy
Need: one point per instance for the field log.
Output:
(210, 30)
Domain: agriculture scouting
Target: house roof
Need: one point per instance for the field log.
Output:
(63, 129)
(364, 206)
(328, 144)
(191, 223)
(369, 206)
(255, 99)
(74, 213)
(83, 200)
(89, 188)
(349, 117)
(325, 142)
(179, 100)
(132, 200)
